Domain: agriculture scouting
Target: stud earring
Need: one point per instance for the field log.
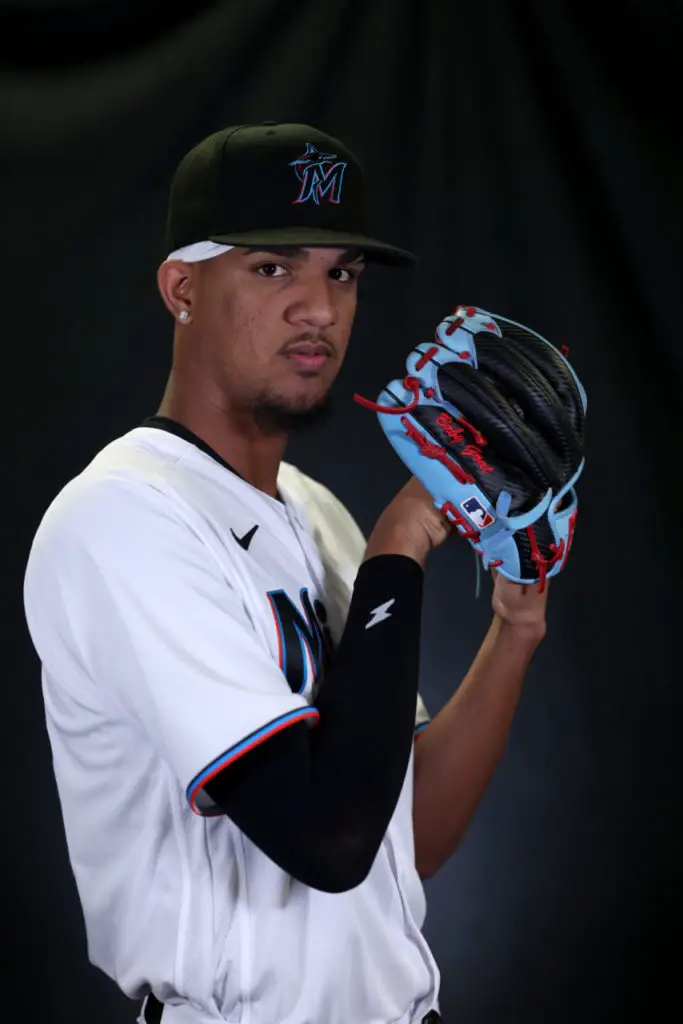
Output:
(183, 316)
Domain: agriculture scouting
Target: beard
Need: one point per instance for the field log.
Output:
(275, 416)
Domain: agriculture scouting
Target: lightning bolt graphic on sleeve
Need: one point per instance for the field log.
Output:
(381, 613)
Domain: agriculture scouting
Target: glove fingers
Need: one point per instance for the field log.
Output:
(515, 375)
(509, 436)
(551, 364)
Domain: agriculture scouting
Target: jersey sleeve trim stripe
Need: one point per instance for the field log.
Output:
(419, 728)
(243, 747)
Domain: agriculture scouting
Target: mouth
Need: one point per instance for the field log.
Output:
(309, 357)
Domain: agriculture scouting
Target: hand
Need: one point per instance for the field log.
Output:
(520, 606)
(410, 525)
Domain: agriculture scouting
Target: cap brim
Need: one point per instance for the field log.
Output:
(376, 251)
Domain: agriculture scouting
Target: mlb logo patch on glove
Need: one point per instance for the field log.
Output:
(477, 513)
(490, 417)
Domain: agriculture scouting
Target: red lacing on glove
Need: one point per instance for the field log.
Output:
(435, 451)
(455, 516)
(410, 384)
(454, 324)
(543, 564)
(424, 359)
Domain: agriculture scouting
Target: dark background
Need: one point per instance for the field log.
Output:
(530, 152)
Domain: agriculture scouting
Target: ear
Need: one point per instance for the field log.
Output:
(174, 278)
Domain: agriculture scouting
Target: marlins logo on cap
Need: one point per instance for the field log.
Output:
(320, 174)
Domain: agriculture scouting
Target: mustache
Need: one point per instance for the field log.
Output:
(318, 338)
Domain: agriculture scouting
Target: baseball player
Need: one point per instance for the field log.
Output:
(229, 668)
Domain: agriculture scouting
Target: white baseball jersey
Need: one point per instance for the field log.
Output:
(179, 614)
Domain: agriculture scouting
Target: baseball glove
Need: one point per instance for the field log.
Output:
(491, 419)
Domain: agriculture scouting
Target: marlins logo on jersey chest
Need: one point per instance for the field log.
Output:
(304, 642)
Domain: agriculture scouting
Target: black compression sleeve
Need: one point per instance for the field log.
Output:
(318, 802)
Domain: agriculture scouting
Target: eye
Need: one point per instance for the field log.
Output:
(343, 275)
(271, 270)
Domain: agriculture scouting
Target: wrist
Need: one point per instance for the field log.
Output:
(528, 634)
(397, 543)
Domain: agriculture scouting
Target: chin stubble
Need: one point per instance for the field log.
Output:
(274, 416)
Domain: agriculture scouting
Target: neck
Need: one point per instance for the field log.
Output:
(230, 432)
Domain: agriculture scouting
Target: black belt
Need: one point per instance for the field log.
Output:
(154, 1009)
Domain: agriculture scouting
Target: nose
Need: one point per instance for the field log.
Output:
(314, 305)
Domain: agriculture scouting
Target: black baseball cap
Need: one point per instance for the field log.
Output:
(273, 184)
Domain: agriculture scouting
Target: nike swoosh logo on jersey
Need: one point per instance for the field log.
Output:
(245, 541)
(380, 614)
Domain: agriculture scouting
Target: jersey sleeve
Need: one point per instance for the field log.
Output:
(122, 585)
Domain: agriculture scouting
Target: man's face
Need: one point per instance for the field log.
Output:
(275, 326)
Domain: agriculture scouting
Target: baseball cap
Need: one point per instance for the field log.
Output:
(271, 184)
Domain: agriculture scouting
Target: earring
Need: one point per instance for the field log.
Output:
(183, 316)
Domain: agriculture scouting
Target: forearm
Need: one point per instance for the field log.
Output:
(318, 801)
(457, 753)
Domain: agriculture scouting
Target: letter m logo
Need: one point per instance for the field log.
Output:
(321, 175)
(304, 642)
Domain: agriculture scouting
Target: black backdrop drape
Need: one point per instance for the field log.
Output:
(529, 152)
